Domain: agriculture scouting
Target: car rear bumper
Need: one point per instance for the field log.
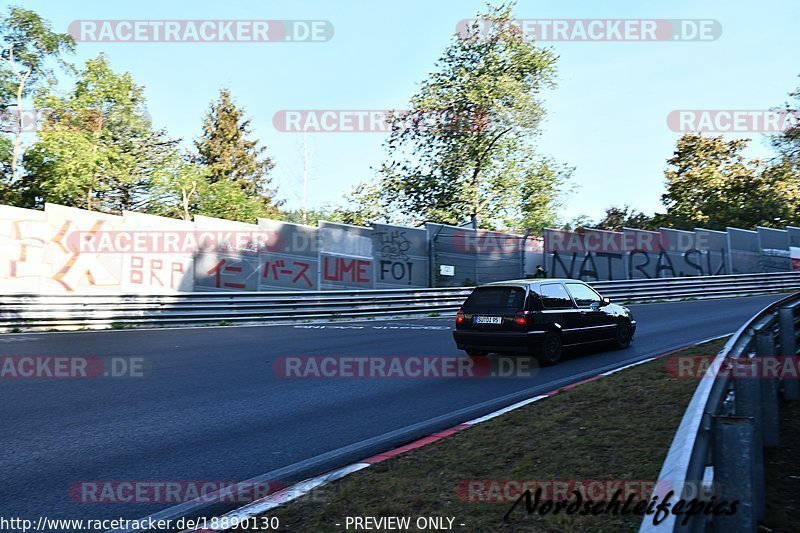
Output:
(497, 341)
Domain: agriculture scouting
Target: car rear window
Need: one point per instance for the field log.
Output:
(495, 299)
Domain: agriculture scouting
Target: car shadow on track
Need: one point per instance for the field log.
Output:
(526, 366)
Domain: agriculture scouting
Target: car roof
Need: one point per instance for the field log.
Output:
(529, 282)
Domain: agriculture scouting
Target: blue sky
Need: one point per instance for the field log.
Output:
(607, 117)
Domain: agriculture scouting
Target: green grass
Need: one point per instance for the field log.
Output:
(616, 428)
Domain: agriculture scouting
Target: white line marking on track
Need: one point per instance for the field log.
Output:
(505, 410)
(290, 493)
(7, 340)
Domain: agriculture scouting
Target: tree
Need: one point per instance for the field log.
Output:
(787, 142)
(783, 179)
(228, 200)
(465, 151)
(313, 216)
(238, 168)
(578, 223)
(710, 184)
(785, 169)
(537, 197)
(364, 205)
(97, 149)
(184, 188)
(617, 218)
(177, 187)
(27, 43)
(7, 193)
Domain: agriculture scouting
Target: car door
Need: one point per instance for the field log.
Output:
(597, 323)
(558, 308)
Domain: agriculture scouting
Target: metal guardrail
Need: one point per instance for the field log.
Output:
(103, 310)
(732, 285)
(718, 447)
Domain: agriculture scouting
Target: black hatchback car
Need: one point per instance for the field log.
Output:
(538, 317)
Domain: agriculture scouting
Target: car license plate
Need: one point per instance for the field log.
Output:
(488, 320)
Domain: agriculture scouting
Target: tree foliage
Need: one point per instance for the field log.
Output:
(238, 169)
(364, 205)
(27, 43)
(328, 212)
(97, 149)
(465, 151)
(787, 142)
(710, 184)
(617, 217)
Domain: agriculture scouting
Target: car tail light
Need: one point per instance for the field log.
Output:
(460, 317)
(521, 319)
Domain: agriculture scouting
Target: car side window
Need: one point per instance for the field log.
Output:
(583, 294)
(555, 296)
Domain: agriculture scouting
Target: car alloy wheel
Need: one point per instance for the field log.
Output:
(622, 335)
(550, 352)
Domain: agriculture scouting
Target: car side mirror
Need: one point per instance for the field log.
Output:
(606, 300)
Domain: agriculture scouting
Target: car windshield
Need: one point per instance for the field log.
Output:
(496, 299)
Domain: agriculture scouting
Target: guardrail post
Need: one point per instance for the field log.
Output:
(733, 451)
(791, 385)
(765, 347)
(748, 404)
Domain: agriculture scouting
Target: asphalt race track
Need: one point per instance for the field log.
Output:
(209, 406)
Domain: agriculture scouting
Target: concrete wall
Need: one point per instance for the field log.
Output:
(401, 257)
(637, 254)
(65, 250)
(292, 260)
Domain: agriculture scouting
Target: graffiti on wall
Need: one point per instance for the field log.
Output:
(401, 256)
(38, 257)
(65, 250)
(631, 254)
(345, 256)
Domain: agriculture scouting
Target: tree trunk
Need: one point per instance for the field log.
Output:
(186, 197)
(185, 205)
(18, 132)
